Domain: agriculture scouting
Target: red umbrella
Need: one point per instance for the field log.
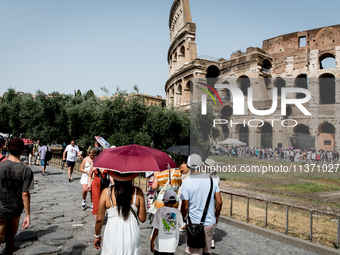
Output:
(133, 159)
(27, 141)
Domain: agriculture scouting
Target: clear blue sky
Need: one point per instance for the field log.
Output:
(63, 45)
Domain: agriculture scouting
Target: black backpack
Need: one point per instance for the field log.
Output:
(48, 155)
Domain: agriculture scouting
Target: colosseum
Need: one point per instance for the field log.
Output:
(290, 60)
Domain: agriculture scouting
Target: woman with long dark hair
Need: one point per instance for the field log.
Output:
(125, 206)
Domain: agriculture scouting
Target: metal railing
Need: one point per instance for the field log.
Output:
(311, 212)
(58, 161)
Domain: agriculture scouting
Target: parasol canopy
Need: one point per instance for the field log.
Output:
(133, 159)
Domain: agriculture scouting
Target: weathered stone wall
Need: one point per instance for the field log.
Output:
(282, 57)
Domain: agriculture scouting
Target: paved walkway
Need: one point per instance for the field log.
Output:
(60, 226)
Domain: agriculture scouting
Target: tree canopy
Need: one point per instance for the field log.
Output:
(119, 119)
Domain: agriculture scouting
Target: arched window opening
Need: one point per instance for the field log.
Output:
(244, 83)
(327, 137)
(279, 84)
(266, 65)
(267, 135)
(225, 93)
(244, 134)
(289, 111)
(301, 81)
(226, 112)
(301, 129)
(327, 61)
(183, 51)
(179, 89)
(327, 128)
(225, 130)
(212, 73)
(327, 89)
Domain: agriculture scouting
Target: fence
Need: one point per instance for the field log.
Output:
(57, 161)
(311, 213)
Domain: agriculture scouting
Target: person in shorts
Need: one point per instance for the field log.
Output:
(42, 153)
(194, 195)
(167, 222)
(72, 151)
(16, 181)
(36, 147)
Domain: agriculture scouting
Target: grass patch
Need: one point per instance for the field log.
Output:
(310, 187)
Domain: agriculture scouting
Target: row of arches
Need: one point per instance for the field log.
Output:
(301, 133)
(326, 85)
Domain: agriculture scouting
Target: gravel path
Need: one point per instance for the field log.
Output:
(60, 226)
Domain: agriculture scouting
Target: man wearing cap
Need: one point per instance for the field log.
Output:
(16, 180)
(195, 190)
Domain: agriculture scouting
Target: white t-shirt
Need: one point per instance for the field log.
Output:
(72, 152)
(168, 221)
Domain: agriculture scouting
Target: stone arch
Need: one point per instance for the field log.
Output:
(303, 139)
(226, 112)
(301, 81)
(267, 135)
(327, 88)
(326, 136)
(188, 92)
(243, 132)
(279, 83)
(212, 73)
(225, 93)
(327, 61)
(244, 83)
(179, 95)
(183, 51)
(179, 89)
(289, 111)
(266, 65)
(301, 129)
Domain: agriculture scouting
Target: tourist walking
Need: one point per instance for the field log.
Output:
(14, 198)
(36, 151)
(72, 151)
(125, 206)
(166, 223)
(95, 187)
(85, 168)
(195, 190)
(161, 183)
(42, 154)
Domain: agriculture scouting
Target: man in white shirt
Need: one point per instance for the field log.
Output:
(72, 150)
(195, 190)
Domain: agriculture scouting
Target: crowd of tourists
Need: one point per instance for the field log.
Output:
(283, 154)
(179, 199)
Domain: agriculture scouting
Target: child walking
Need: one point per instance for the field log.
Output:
(166, 224)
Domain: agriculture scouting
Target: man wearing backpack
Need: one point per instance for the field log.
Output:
(42, 152)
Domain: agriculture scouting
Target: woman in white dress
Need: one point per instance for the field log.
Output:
(125, 206)
(85, 168)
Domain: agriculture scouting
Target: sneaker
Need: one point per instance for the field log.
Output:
(70, 179)
(91, 207)
(83, 206)
(212, 244)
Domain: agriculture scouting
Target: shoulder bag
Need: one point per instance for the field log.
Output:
(195, 232)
